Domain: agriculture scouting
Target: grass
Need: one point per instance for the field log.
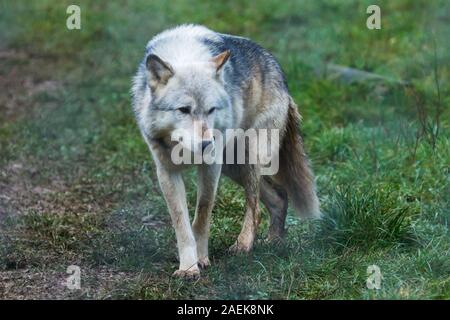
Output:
(78, 184)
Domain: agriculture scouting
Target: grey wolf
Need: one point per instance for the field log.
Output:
(195, 79)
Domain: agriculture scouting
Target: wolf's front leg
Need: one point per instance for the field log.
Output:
(172, 187)
(208, 178)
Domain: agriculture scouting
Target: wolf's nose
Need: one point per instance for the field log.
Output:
(205, 144)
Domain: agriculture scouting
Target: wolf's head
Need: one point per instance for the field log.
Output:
(188, 101)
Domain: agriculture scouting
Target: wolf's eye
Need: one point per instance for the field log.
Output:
(211, 110)
(185, 109)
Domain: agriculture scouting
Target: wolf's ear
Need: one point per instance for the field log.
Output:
(160, 71)
(220, 60)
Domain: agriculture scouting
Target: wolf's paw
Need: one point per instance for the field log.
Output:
(203, 263)
(191, 274)
(239, 247)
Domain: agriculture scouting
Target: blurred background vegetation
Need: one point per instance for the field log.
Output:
(77, 183)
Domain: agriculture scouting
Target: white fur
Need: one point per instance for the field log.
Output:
(185, 47)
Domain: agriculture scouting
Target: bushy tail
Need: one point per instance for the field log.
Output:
(294, 174)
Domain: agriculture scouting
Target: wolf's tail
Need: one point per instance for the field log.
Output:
(294, 173)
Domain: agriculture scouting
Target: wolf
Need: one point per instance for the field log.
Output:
(198, 80)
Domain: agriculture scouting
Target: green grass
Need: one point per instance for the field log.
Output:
(78, 179)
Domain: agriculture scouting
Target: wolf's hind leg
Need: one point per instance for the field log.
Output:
(272, 195)
(275, 199)
(250, 180)
(208, 178)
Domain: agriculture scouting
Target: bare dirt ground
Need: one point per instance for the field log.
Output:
(99, 283)
(22, 78)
